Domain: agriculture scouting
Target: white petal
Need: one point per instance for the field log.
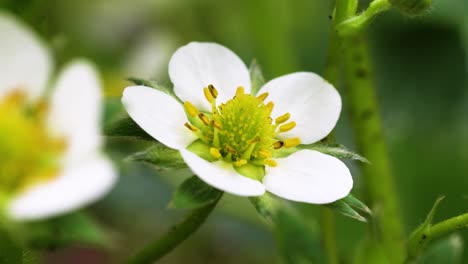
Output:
(75, 109)
(159, 115)
(309, 176)
(198, 65)
(76, 187)
(25, 63)
(313, 103)
(222, 176)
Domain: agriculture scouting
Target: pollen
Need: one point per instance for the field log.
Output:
(29, 153)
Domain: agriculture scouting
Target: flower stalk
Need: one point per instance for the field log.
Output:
(174, 236)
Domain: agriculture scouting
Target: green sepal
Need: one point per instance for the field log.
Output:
(335, 150)
(125, 128)
(256, 77)
(347, 206)
(160, 156)
(201, 149)
(153, 84)
(72, 229)
(418, 238)
(194, 193)
(252, 171)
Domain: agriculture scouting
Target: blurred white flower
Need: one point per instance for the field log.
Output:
(49, 146)
(235, 146)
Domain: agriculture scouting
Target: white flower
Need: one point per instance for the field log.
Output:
(234, 145)
(49, 146)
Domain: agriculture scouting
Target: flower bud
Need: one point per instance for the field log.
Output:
(412, 7)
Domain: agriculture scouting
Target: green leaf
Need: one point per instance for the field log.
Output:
(335, 150)
(194, 193)
(160, 156)
(355, 203)
(447, 250)
(126, 128)
(76, 228)
(256, 77)
(153, 84)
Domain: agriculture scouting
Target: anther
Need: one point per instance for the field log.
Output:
(215, 124)
(283, 118)
(278, 144)
(213, 91)
(215, 153)
(240, 162)
(287, 127)
(191, 109)
(262, 97)
(270, 162)
(291, 142)
(255, 140)
(204, 119)
(189, 126)
(230, 150)
(240, 91)
(270, 106)
(264, 153)
(208, 95)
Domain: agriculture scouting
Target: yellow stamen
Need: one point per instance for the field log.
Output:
(191, 109)
(215, 153)
(270, 162)
(270, 106)
(240, 91)
(208, 95)
(240, 162)
(288, 126)
(278, 144)
(292, 142)
(213, 91)
(262, 97)
(264, 153)
(215, 124)
(204, 119)
(189, 126)
(283, 118)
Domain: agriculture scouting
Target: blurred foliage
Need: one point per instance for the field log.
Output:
(421, 70)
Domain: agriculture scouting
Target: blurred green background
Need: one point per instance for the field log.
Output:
(421, 67)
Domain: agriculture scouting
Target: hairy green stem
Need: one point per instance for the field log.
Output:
(367, 126)
(174, 236)
(422, 237)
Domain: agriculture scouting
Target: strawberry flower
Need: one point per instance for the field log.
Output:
(236, 141)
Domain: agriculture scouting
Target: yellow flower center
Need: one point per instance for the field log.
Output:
(28, 153)
(240, 130)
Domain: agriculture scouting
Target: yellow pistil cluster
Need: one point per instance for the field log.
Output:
(240, 130)
(28, 153)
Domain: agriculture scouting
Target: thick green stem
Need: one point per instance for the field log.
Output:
(448, 226)
(174, 236)
(367, 126)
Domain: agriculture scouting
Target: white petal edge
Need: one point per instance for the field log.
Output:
(159, 114)
(77, 186)
(25, 62)
(309, 176)
(222, 176)
(197, 65)
(75, 109)
(314, 104)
